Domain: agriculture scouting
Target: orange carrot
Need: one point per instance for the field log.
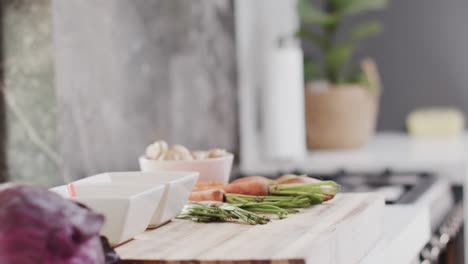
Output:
(208, 185)
(207, 195)
(253, 185)
(291, 179)
(204, 188)
(251, 178)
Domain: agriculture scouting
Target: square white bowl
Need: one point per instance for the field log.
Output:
(127, 208)
(178, 184)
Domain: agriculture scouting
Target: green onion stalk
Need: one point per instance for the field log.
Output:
(279, 205)
(317, 192)
(220, 213)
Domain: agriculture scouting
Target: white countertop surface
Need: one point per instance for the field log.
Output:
(407, 227)
(397, 151)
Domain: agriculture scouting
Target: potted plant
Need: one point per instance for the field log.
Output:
(341, 99)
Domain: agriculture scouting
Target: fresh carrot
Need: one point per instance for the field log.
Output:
(292, 179)
(260, 194)
(253, 185)
(206, 188)
(252, 178)
(208, 185)
(289, 185)
(207, 195)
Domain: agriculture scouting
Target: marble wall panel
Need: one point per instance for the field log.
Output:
(129, 72)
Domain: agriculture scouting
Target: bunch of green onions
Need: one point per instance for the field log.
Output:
(220, 213)
(282, 200)
(285, 199)
(279, 205)
(317, 192)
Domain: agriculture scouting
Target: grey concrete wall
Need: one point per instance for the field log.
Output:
(129, 72)
(29, 91)
(423, 57)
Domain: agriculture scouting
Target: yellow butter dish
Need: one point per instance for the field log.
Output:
(435, 122)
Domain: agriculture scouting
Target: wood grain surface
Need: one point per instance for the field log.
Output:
(340, 231)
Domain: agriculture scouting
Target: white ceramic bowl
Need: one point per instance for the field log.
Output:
(213, 169)
(127, 208)
(178, 187)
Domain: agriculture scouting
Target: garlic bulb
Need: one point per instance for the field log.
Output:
(156, 150)
(199, 155)
(178, 152)
(216, 153)
(159, 150)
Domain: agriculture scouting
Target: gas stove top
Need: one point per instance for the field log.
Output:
(396, 187)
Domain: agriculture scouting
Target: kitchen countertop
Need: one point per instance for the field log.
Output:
(398, 151)
(341, 231)
(406, 227)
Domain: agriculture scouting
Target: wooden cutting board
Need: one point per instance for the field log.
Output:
(341, 231)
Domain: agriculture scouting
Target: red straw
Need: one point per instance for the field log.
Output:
(71, 190)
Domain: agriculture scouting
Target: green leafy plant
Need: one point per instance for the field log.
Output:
(320, 27)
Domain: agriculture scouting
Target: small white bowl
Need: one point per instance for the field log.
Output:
(127, 208)
(178, 187)
(212, 169)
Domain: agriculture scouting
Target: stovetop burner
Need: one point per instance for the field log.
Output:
(397, 187)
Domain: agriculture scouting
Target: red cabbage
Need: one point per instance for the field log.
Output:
(38, 226)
